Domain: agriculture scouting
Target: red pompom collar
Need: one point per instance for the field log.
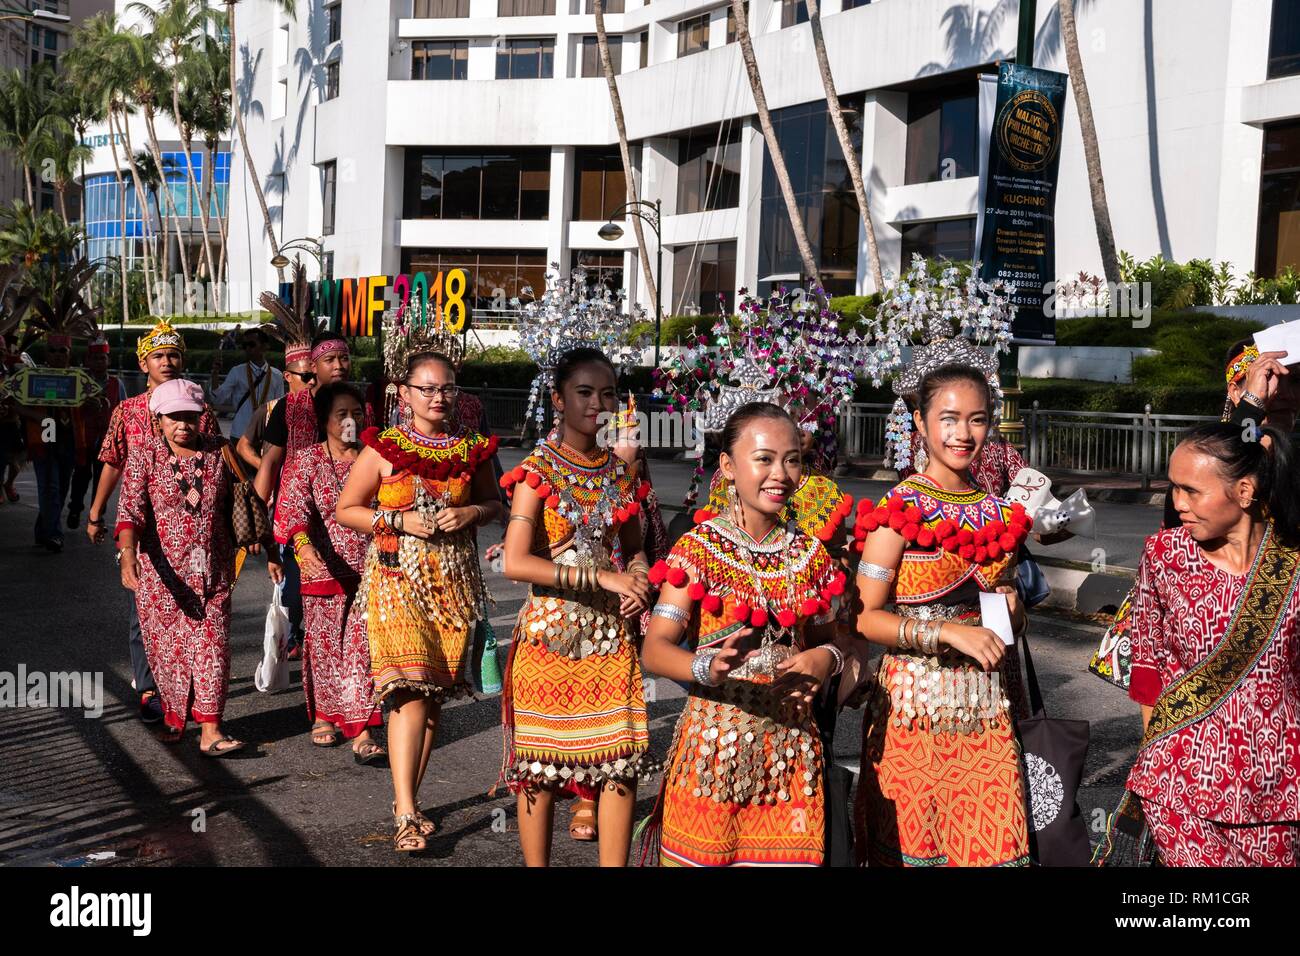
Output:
(461, 462)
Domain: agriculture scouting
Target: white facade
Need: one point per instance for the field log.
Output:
(1179, 90)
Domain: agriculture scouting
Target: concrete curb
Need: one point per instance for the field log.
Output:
(1085, 591)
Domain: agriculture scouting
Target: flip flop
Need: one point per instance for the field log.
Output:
(216, 751)
(583, 815)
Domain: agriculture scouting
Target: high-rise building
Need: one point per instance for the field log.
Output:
(411, 135)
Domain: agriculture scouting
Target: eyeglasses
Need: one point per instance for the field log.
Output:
(433, 391)
(307, 377)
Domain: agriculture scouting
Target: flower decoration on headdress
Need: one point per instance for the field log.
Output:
(952, 318)
(792, 355)
(572, 314)
(161, 336)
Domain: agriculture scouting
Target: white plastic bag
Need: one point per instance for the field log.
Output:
(272, 673)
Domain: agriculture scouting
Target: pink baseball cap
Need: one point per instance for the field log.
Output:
(176, 395)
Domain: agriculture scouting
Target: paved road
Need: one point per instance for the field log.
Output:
(73, 785)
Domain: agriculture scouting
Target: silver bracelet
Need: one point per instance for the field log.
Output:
(902, 643)
(672, 612)
(875, 572)
(839, 659)
(700, 669)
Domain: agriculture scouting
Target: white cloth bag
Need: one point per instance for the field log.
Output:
(272, 673)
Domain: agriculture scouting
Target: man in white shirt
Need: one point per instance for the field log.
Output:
(250, 384)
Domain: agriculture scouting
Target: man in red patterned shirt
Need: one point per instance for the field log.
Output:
(161, 356)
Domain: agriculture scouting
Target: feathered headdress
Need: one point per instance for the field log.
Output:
(292, 325)
(571, 314)
(954, 318)
(55, 309)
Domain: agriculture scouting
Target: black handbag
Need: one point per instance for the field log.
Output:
(1053, 752)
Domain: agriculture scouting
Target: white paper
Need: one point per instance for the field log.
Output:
(996, 615)
(1281, 338)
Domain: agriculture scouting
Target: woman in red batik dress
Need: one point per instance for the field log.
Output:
(941, 780)
(745, 784)
(336, 674)
(1216, 656)
(178, 556)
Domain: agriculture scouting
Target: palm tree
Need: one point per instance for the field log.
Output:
(77, 103)
(177, 25)
(773, 146)
(153, 181)
(146, 79)
(1091, 152)
(64, 154)
(31, 236)
(288, 8)
(26, 110)
(846, 142)
(616, 103)
(207, 83)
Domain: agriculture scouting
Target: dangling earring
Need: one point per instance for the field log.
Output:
(405, 413)
(922, 458)
(733, 499)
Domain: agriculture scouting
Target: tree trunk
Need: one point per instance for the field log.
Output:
(27, 178)
(773, 147)
(60, 187)
(1091, 154)
(142, 201)
(846, 142)
(156, 152)
(243, 137)
(616, 103)
(187, 141)
(121, 211)
(223, 217)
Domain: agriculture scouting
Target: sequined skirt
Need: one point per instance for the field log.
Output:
(573, 709)
(744, 784)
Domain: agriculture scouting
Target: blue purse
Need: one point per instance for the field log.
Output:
(1030, 580)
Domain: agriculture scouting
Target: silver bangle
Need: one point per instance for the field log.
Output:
(875, 572)
(701, 669)
(839, 659)
(672, 612)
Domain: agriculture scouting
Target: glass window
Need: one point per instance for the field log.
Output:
(942, 134)
(853, 4)
(731, 21)
(792, 12)
(441, 9)
(329, 181)
(456, 185)
(708, 168)
(335, 18)
(591, 56)
(946, 239)
(823, 192)
(525, 8)
(604, 269)
(1284, 39)
(600, 185)
(645, 48)
(1278, 244)
(704, 278)
(532, 59)
(693, 35)
(495, 275)
(611, 6)
(439, 59)
(332, 80)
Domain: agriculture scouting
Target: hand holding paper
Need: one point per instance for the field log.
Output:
(996, 615)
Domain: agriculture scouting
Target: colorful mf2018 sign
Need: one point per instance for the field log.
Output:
(1017, 228)
(353, 306)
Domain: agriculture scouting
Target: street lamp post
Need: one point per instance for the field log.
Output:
(312, 246)
(653, 218)
(10, 13)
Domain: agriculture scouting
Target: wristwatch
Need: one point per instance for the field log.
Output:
(1248, 396)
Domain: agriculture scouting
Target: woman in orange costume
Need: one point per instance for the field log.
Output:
(421, 588)
(941, 779)
(573, 707)
(744, 785)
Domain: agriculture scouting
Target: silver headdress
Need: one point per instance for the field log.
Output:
(952, 318)
(571, 314)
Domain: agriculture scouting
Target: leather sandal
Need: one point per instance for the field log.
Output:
(583, 814)
(427, 827)
(324, 735)
(408, 838)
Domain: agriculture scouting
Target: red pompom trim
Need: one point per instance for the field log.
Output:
(911, 532)
(826, 533)
(944, 529)
(1007, 541)
(642, 490)
(966, 552)
(837, 585)
(965, 536)
(896, 504)
(786, 618)
(810, 607)
(712, 603)
(740, 612)
(896, 521)
(553, 502)
(758, 618)
(881, 515)
(913, 515)
(703, 515)
(994, 550)
(677, 577)
(926, 538)
(517, 473)
(633, 509)
(533, 479)
(507, 481)
(696, 591)
(981, 555)
(951, 544)
(658, 573)
(544, 490)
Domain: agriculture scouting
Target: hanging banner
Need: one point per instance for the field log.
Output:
(1016, 229)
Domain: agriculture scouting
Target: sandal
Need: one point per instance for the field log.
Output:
(324, 735)
(11, 492)
(368, 753)
(408, 838)
(427, 827)
(216, 750)
(583, 816)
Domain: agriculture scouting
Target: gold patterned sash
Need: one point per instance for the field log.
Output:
(1270, 584)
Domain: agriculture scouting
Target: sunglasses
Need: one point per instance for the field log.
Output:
(307, 377)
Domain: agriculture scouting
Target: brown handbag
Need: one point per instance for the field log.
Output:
(248, 517)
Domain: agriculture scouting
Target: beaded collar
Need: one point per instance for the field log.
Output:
(456, 455)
